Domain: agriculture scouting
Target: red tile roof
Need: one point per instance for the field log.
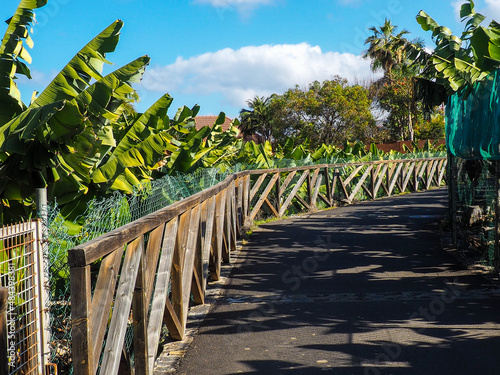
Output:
(202, 121)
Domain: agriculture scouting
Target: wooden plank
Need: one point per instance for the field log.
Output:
(302, 201)
(395, 177)
(264, 195)
(324, 199)
(368, 191)
(390, 174)
(353, 174)
(360, 184)
(171, 320)
(218, 234)
(277, 195)
(418, 174)
(316, 191)
(431, 174)
(271, 207)
(309, 188)
(246, 201)
(442, 169)
(178, 266)
(197, 287)
(376, 175)
(140, 307)
(287, 181)
(160, 294)
(234, 219)
(83, 360)
(151, 259)
(4, 295)
(102, 300)
(294, 191)
(91, 251)
(257, 185)
(380, 180)
(434, 177)
(187, 271)
(121, 309)
(226, 243)
(313, 179)
(408, 176)
(416, 181)
(422, 170)
(337, 179)
(239, 207)
(329, 194)
(207, 237)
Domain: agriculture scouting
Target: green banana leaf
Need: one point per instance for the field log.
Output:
(86, 65)
(14, 56)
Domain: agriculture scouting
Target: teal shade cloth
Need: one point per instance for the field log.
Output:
(473, 124)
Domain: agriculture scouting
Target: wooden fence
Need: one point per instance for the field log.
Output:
(145, 274)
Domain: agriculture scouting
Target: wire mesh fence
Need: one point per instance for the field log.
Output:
(473, 197)
(19, 273)
(103, 216)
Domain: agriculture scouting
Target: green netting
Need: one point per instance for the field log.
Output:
(473, 125)
(473, 194)
(103, 216)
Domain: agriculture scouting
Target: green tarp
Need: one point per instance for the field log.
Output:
(473, 125)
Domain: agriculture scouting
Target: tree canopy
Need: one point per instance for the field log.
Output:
(330, 112)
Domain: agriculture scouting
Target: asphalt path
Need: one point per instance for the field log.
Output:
(363, 289)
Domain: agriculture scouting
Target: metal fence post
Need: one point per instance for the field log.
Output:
(42, 270)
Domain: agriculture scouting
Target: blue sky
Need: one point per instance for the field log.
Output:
(220, 53)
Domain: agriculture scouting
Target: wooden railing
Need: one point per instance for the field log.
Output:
(143, 275)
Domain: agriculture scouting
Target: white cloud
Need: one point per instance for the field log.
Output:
(493, 10)
(239, 75)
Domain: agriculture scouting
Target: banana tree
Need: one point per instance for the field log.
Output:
(72, 138)
(68, 129)
(457, 63)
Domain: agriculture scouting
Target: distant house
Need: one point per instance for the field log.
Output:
(202, 121)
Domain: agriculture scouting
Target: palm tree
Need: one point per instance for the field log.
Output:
(385, 48)
(258, 119)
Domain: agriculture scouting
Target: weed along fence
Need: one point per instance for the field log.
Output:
(129, 284)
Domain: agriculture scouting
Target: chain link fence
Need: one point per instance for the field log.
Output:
(473, 193)
(103, 216)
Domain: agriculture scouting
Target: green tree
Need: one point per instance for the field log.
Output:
(258, 120)
(394, 92)
(331, 112)
(457, 63)
(386, 49)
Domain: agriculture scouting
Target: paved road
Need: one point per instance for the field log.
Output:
(364, 289)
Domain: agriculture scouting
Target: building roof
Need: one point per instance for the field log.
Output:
(202, 121)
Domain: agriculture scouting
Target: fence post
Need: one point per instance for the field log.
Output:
(4, 370)
(83, 362)
(42, 253)
(453, 195)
